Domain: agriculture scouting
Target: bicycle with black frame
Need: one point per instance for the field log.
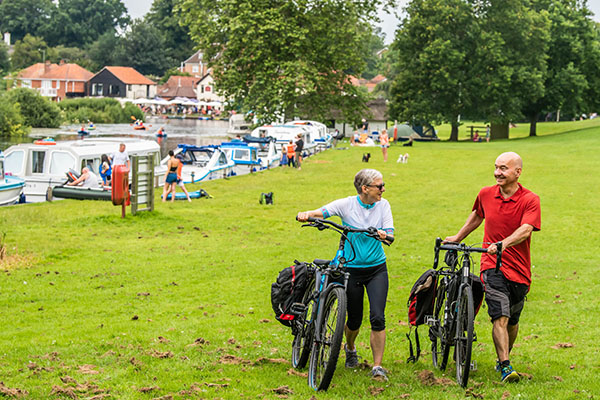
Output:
(452, 321)
(319, 326)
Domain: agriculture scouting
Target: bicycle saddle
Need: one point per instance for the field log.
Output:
(320, 262)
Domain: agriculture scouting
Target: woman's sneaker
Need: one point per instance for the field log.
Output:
(509, 374)
(379, 373)
(351, 358)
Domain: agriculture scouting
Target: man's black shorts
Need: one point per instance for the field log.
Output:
(504, 298)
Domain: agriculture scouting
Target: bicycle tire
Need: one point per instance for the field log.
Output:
(440, 342)
(464, 336)
(301, 345)
(325, 353)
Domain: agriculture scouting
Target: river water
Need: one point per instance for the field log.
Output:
(188, 131)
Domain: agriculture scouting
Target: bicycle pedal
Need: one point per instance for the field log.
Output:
(473, 366)
(297, 308)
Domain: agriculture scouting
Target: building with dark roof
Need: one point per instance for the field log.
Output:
(123, 82)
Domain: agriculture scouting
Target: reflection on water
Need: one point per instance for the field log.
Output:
(188, 131)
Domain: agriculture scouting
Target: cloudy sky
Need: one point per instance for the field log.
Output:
(137, 9)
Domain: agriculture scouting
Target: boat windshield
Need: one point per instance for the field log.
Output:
(14, 162)
(198, 158)
(1, 167)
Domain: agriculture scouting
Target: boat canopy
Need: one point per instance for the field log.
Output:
(261, 140)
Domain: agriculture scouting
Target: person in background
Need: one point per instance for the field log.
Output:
(87, 179)
(105, 170)
(179, 180)
(171, 178)
(284, 159)
(290, 152)
(511, 214)
(385, 143)
(121, 157)
(299, 147)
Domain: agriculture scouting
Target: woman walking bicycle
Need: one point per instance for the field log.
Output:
(368, 269)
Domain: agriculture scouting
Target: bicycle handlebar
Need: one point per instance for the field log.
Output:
(371, 231)
(465, 249)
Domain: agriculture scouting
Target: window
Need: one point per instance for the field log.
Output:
(13, 162)
(97, 89)
(114, 90)
(1, 169)
(195, 68)
(57, 84)
(129, 88)
(26, 83)
(241, 154)
(37, 161)
(61, 162)
(222, 159)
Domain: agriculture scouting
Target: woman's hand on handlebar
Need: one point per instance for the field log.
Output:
(302, 216)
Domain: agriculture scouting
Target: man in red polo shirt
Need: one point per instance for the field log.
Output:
(511, 213)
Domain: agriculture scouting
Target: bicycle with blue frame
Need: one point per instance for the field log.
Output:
(319, 326)
(454, 314)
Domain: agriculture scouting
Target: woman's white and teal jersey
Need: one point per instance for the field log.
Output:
(356, 214)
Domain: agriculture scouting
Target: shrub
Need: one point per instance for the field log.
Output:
(37, 111)
(11, 120)
(132, 110)
(103, 110)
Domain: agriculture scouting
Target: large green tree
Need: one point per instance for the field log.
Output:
(432, 71)
(509, 62)
(4, 59)
(28, 51)
(106, 50)
(77, 23)
(37, 111)
(284, 58)
(178, 45)
(22, 17)
(571, 78)
(143, 49)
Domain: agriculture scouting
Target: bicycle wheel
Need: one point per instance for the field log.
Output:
(303, 335)
(438, 334)
(464, 336)
(325, 352)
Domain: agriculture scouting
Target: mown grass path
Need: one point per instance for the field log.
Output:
(176, 302)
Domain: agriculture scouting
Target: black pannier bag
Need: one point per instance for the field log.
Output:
(289, 288)
(421, 301)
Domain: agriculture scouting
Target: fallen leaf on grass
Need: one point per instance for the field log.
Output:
(526, 375)
(292, 371)
(99, 396)
(160, 354)
(427, 378)
(32, 365)
(231, 341)
(12, 392)
(88, 369)
(562, 345)
(135, 362)
(143, 294)
(470, 392)
(271, 360)
(405, 396)
(217, 385)
(403, 323)
(375, 390)
(148, 389)
(505, 395)
(529, 337)
(558, 378)
(199, 342)
(264, 321)
(67, 379)
(135, 318)
(231, 359)
(64, 391)
(162, 339)
(364, 365)
(53, 356)
(165, 397)
(283, 390)
(558, 301)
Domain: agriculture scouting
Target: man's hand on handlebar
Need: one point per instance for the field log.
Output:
(493, 248)
(451, 239)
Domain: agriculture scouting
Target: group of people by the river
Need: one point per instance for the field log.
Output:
(291, 153)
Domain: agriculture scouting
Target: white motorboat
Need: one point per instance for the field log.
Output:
(320, 134)
(44, 164)
(11, 187)
(253, 154)
(202, 163)
(284, 133)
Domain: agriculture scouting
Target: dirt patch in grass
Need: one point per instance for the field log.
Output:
(11, 262)
(12, 392)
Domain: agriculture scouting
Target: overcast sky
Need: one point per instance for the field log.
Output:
(137, 9)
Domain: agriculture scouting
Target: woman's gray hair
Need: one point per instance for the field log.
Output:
(365, 177)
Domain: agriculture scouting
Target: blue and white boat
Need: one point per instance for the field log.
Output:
(319, 133)
(11, 187)
(253, 154)
(202, 163)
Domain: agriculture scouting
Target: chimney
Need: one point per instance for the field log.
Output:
(62, 62)
(7, 38)
(47, 66)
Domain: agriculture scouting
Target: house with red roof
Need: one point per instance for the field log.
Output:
(368, 83)
(56, 81)
(194, 65)
(178, 86)
(124, 82)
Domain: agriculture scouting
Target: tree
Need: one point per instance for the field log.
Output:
(177, 41)
(36, 110)
(284, 58)
(509, 61)
(28, 51)
(432, 78)
(22, 17)
(373, 45)
(80, 22)
(11, 120)
(4, 59)
(573, 58)
(106, 50)
(143, 49)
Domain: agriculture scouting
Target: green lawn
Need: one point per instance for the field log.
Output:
(176, 302)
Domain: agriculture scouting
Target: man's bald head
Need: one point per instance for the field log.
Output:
(507, 170)
(510, 157)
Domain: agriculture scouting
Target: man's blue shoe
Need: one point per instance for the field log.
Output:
(509, 375)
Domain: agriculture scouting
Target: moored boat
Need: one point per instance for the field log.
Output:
(78, 192)
(11, 187)
(284, 133)
(45, 166)
(202, 163)
(253, 154)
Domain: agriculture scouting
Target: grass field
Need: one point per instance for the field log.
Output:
(176, 302)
